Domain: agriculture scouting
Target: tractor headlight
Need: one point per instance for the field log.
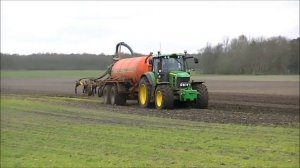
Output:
(183, 84)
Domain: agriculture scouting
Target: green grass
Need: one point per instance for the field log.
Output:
(43, 131)
(97, 73)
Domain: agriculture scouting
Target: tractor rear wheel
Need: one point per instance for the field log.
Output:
(117, 98)
(164, 98)
(202, 99)
(106, 94)
(144, 93)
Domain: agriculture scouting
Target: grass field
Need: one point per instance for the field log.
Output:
(44, 131)
(97, 73)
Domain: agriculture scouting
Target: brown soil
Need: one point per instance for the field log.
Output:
(279, 105)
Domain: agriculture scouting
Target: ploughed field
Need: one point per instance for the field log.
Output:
(271, 100)
(252, 121)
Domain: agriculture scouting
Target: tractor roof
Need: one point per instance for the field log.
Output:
(169, 55)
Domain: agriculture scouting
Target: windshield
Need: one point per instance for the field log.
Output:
(172, 64)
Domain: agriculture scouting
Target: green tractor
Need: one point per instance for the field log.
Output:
(169, 84)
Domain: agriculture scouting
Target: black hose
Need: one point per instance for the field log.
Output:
(118, 46)
(123, 44)
(109, 69)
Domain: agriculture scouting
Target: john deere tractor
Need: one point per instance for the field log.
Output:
(169, 83)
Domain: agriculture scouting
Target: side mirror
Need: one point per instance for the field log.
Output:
(196, 60)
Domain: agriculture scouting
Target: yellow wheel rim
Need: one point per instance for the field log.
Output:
(158, 98)
(142, 94)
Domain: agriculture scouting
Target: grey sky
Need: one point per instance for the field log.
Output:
(96, 26)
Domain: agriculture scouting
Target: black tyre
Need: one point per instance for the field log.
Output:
(202, 99)
(117, 98)
(100, 91)
(164, 97)
(144, 95)
(106, 94)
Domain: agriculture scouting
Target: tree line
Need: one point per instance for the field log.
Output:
(53, 61)
(275, 55)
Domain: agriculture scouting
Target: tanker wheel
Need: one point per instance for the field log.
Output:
(145, 93)
(106, 94)
(117, 98)
(100, 92)
(202, 99)
(164, 98)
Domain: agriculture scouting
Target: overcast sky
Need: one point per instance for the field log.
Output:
(97, 26)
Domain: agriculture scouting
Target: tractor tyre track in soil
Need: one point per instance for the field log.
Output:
(240, 107)
(219, 111)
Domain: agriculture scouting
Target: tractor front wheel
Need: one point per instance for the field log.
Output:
(164, 98)
(202, 99)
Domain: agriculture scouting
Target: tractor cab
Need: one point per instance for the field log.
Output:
(170, 67)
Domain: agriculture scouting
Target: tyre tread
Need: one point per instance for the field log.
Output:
(202, 99)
